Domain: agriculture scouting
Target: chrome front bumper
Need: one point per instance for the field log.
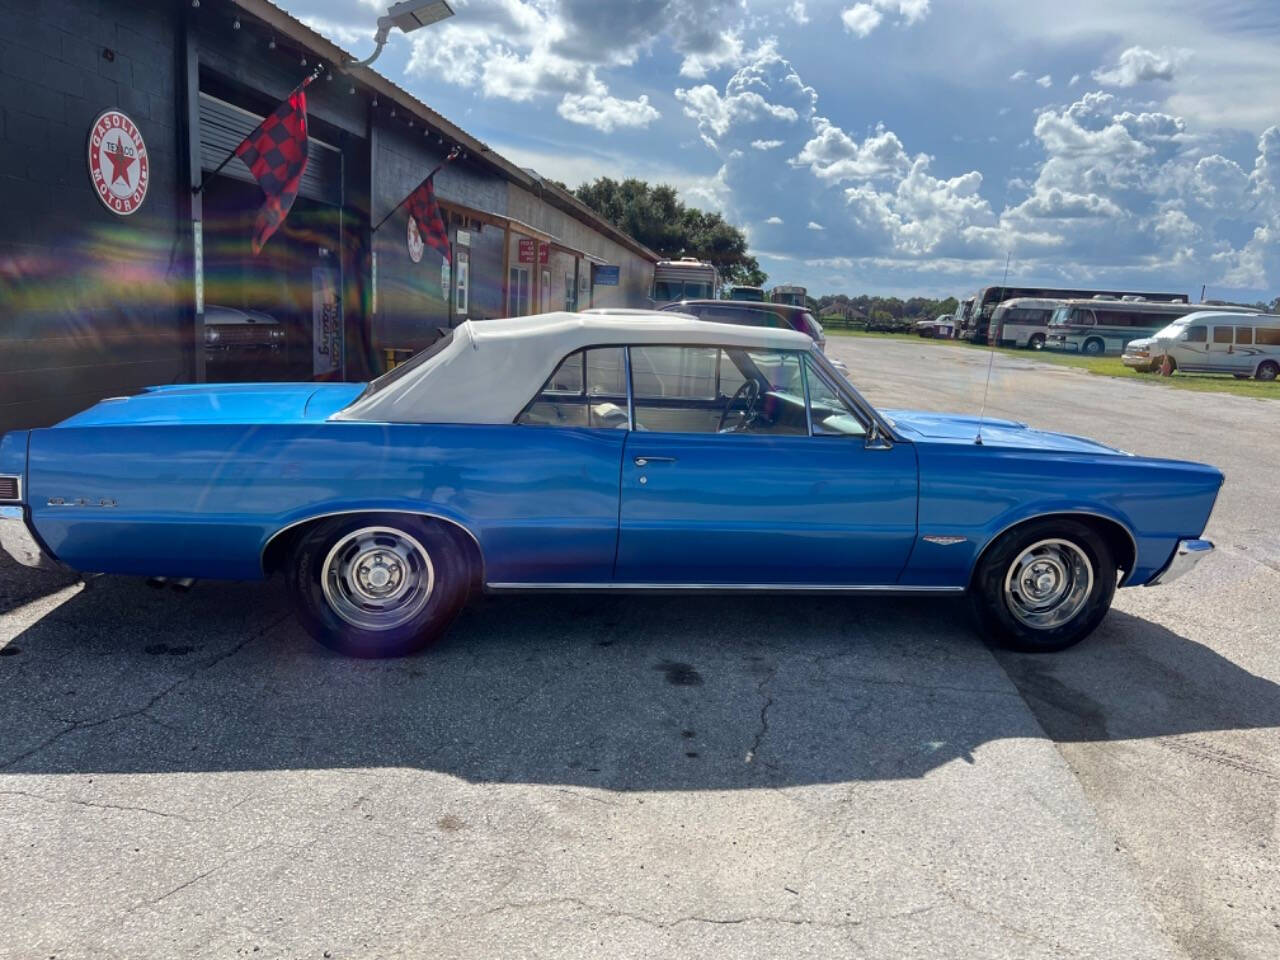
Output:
(1188, 554)
(17, 540)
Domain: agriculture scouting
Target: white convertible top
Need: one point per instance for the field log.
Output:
(491, 369)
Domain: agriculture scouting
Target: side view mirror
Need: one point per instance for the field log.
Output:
(877, 440)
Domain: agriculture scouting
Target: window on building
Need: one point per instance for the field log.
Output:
(587, 389)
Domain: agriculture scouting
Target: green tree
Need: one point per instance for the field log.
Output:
(655, 216)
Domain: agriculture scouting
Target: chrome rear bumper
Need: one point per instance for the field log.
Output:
(1186, 556)
(17, 540)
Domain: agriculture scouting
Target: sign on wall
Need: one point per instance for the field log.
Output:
(119, 166)
(414, 240)
(326, 332)
(526, 251)
(604, 276)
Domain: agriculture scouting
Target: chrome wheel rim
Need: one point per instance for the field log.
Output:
(377, 578)
(1048, 584)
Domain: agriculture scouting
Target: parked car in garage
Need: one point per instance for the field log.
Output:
(236, 337)
(1211, 341)
(579, 452)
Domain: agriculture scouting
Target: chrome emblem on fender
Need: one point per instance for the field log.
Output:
(945, 541)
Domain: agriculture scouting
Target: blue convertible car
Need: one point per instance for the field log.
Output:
(596, 452)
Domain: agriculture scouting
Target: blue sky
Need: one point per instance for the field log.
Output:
(893, 146)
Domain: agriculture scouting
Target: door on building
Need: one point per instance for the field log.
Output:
(276, 314)
(518, 292)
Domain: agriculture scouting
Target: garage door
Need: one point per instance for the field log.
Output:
(223, 126)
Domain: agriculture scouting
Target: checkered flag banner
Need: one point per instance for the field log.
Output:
(426, 212)
(276, 155)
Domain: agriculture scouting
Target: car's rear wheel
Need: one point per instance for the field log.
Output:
(1267, 370)
(1044, 586)
(378, 585)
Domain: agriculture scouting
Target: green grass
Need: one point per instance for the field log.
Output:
(1099, 366)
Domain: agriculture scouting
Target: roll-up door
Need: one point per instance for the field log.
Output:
(223, 126)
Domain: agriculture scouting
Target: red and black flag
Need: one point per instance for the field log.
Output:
(276, 155)
(426, 213)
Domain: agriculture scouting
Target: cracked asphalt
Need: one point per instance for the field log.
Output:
(189, 775)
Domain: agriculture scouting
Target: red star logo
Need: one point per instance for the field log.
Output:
(120, 162)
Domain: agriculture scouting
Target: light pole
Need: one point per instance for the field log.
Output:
(408, 15)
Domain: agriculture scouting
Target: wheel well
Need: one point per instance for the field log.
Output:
(281, 544)
(1116, 535)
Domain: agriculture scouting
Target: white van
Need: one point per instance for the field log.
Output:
(1213, 341)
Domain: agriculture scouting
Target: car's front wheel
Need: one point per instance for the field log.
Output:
(377, 585)
(1044, 586)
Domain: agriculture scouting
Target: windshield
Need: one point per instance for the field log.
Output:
(1172, 330)
(1060, 317)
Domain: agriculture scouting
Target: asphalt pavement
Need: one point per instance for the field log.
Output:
(189, 775)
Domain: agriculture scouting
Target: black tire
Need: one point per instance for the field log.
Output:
(995, 609)
(1267, 371)
(1094, 347)
(1036, 342)
(419, 560)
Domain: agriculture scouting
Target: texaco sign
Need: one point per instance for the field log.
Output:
(119, 166)
(416, 246)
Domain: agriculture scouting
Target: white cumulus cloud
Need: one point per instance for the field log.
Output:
(1140, 65)
(774, 220)
(814, 225)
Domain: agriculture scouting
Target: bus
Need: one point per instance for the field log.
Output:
(739, 292)
(988, 298)
(1099, 325)
(1022, 322)
(789, 294)
(684, 279)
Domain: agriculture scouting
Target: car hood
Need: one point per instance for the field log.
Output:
(258, 403)
(925, 426)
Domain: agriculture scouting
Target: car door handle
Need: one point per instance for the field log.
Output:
(645, 461)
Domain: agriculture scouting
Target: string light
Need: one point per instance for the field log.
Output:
(303, 61)
(271, 44)
(374, 104)
(351, 90)
(235, 24)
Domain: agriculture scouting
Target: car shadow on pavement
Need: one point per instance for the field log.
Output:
(617, 692)
(19, 584)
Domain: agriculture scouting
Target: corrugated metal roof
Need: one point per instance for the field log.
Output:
(290, 26)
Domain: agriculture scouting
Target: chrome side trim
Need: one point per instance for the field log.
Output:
(1185, 557)
(19, 541)
(722, 588)
(17, 478)
(944, 541)
(344, 513)
(1063, 513)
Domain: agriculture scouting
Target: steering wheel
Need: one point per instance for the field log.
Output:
(749, 391)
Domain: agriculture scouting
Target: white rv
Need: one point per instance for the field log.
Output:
(684, 279)
(1023, 321)
(1213, 341)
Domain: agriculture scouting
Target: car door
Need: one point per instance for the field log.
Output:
(1221, 356)
(556, 519)
(725, 484)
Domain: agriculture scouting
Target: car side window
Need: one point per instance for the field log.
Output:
(1222, 334)
(717, 390)
(1244, 336)
(587, 389)
(1197, 334)
(829, 413)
